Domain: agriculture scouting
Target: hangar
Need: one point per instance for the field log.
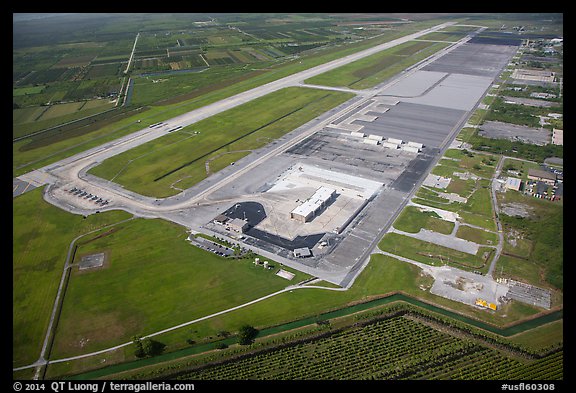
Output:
(308, 210)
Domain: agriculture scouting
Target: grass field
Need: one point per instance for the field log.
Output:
(534, 244)
(412, 220)
(32, 119)
(370, 71)
(153, 279)
(249, 126)
(383, 275)
(40, 246)
(45, 154)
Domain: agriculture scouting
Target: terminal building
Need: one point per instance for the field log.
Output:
(309, 209)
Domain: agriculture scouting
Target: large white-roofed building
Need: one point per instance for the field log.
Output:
(308, 210)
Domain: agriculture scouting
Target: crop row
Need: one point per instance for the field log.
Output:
(396, 348)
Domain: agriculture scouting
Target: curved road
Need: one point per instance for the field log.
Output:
(70, 169)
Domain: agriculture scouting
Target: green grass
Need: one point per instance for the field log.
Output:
(24, 161)
(383, 275)
(371, 70)
(359, 352)
(153, 279)
(412, 220)
(541, 246)
(477, 235)
(21, 91)
(145, 169)
(430, 253)
(41, 236)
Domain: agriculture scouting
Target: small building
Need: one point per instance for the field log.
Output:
(238, 225)
(395, 141)
(543, 176)
(416, 144)
(220, 219)
(411, 149)
(513, 183)
(302, 252)
(390, 145)
(557, 136)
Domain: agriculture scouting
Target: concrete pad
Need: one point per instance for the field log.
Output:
(347, 126)
(466, 287)
(436, 181)
(416, 85)
(440, 239)
(457, 91)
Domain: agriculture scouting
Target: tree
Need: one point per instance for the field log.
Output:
(139, 351)
(147, 347)
(151, 347)
(247, 334)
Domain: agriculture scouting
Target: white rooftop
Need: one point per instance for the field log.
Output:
(315, 201)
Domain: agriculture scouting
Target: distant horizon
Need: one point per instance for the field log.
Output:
(25, 16)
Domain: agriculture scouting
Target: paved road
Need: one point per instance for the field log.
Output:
(496, 217)
(75, 163)
(72, 169)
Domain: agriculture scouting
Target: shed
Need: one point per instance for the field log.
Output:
(540, 175)
(302, 252)
(394, 140)
(238, 225)
(411, 149)
(390, 145)
(416, 144)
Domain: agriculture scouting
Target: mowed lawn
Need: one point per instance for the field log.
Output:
(374, 69)
(41, 236)
(151, 168)
(154, 279)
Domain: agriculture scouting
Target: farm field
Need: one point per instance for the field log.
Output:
(412, 350)
(247, 127)
(80, 66)
(31, 152)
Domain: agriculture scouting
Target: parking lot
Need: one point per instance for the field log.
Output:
(211, 246)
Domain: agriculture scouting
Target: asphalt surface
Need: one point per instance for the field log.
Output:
(427, 103)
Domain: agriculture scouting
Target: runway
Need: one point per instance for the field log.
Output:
(427, 103)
